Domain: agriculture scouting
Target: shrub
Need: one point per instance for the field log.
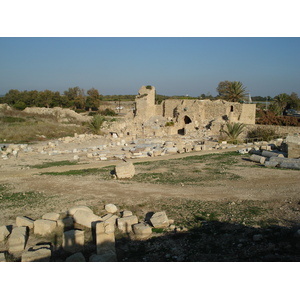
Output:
(108, 112)
(233, 131)
(270, 118)
(96, 123)
(20, 105)
(266, 134)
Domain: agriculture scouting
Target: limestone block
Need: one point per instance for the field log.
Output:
(125, 170)
(171, 150)
(17, 240)
(73, 240)
(111, 208)
(86, 218)
(124, 224)
(37, 254)
(65, 223)
(52, 216)
(73, 210)
(24, 221)
(197, 148)
(108, 257)
(105, 241)
(159, 220)
(110, 219)
(76, 257)
(157, 152)
(4, 233)
(43, 227)
(142, 230)
(126, 213)
(2, 257)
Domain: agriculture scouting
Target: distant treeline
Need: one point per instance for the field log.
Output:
(74, 98)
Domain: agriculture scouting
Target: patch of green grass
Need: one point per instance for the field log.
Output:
(13, 200)
(55, 164)
(105, 172)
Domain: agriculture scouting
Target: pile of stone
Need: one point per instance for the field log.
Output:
(12, 150)
(273, 154)
(17, 237)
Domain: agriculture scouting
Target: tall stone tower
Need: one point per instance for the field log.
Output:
(145, 102)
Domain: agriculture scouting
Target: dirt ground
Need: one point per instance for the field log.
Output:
(279, 188)
(259, 184)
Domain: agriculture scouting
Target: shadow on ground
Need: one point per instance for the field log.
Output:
(215, 241)
(211, 241)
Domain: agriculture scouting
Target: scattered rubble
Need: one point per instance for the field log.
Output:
(73, 245)
(274, 154)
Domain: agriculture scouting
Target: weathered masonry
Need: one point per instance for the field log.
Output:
(181, 116)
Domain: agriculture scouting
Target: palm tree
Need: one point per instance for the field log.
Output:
(236, 92)
(281, 102)
(233, 131)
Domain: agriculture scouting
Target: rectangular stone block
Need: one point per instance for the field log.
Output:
(142, 230)
(73, 240)
(17, 240)
(125, 170)
(4, 233)
(52, 216)
(24, 221)
(37, 254)
(159, 220)
(86, 218)
(124, 224)
(105, 241)
(44, 227)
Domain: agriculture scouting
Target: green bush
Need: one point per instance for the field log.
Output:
(96, 123)
(266, 134)
(20, 105)
(108, 112)
(233, 131)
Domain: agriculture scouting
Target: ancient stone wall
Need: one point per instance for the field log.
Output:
(182, 116)
(145, 102)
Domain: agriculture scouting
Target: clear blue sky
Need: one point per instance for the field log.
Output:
(174, 65)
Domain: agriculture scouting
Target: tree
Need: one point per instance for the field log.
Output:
(76, 97)
(45, 98)
(233, 91)
(12, 97)
(294, 102)
(93, 99)
(280, 104)
(222, 88)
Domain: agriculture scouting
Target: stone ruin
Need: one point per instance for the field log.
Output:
(199, 118)
(282, 153)
(17, 238)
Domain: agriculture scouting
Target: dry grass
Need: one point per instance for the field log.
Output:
(20, 127)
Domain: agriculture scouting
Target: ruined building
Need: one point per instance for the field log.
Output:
(181, 116)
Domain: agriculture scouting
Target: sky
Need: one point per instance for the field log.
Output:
(267, 66)
(180, 47)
